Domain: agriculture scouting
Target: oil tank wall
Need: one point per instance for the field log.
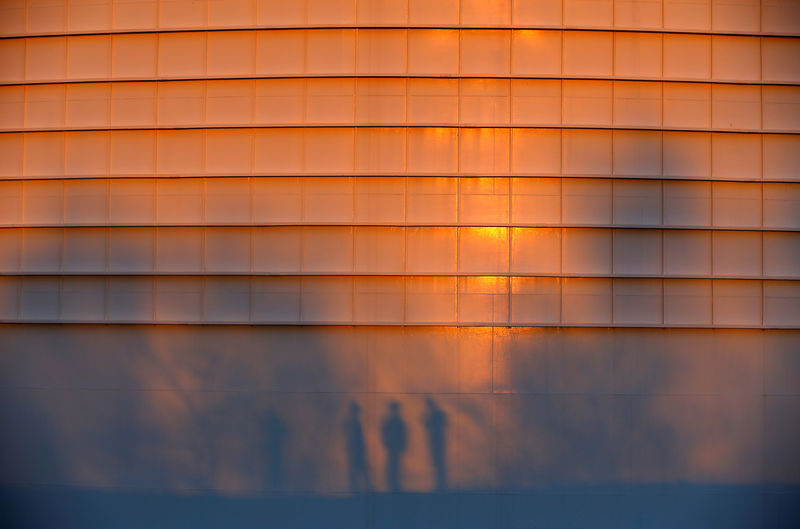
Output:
(363, 263)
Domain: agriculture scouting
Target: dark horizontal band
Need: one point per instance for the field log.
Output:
(215, 29)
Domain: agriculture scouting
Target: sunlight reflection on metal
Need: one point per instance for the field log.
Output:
(367, 264)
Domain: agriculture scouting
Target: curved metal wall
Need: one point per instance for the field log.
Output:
(558, 223)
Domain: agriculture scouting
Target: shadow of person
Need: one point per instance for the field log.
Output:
(276, 431)
(435, 421)
(393, 434)
(356, 450)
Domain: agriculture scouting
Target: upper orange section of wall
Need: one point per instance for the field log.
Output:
(75, 16)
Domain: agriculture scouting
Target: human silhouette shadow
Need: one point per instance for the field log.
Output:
(356, 450)
(393, 434)
(435, 421)
(276, 431)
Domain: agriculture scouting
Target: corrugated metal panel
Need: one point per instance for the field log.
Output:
(556, 243)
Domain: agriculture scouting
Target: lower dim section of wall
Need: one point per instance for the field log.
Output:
(659, 507)
(373, 427)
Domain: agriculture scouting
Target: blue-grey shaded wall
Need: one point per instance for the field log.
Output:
(164, 426)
